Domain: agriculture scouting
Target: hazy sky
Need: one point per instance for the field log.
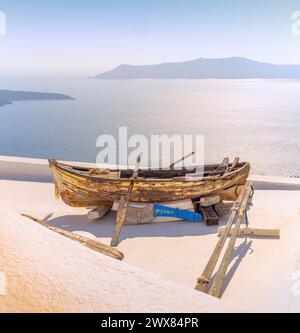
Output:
(89, 36)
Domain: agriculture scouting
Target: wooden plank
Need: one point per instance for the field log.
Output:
(218, 282)
(121, 214)
(98, 213)
(139, 214)
(209, 201)
(92, 244)
(204, 279)
(253, 232)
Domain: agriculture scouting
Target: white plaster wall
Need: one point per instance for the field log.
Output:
(37, 170)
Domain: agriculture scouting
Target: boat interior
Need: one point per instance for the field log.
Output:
(208, 170)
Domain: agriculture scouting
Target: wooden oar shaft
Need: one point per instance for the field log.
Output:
(234, 164)
(180, 160)
(123, 205)
(90, 243)
(203, 280)
(217, 285)
(221, 169)
(121, 214)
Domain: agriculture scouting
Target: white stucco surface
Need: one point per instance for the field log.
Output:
(264, 274)
(46, 272)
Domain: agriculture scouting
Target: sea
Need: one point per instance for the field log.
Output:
(257, 120)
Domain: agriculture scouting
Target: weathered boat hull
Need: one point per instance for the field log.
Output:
(80, 187)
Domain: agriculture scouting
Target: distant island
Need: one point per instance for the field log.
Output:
(222, 68)
(9, 96)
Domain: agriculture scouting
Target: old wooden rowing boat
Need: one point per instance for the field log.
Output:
(86, 187)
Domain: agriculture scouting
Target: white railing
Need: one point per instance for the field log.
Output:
(37, 170)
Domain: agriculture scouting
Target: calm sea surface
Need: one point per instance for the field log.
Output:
(258, 120)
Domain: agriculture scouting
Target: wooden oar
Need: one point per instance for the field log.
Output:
(180, 160)
(234, 164)
(204, 279)
(123, 205)
(218, 282)
(92, 244)
(221, 169)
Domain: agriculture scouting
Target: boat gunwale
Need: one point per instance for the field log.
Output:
(239, 170)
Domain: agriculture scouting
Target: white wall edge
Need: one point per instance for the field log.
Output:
(37, 170)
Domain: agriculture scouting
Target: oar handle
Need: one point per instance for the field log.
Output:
(137, 166)
(182, 159)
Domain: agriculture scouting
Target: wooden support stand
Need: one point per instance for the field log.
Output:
(121, 214)
(220, 209)
(204, 280)
(218, 282)
(209, 215)
(122, 210)
(253, 232)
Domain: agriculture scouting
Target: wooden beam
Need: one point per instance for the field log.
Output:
(218, 282)
(98, 213)
(92, 244)
(253, 232)
(121, 214)
(209, 200)
(204, 279)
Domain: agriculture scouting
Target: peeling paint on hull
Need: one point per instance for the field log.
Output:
(82, 188)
